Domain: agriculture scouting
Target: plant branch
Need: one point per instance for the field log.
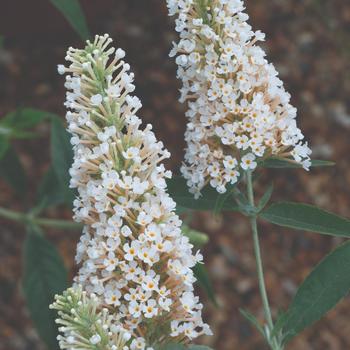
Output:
(27, 218)
(259, 266)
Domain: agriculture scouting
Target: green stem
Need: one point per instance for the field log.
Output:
(258, 259)
(25, 218)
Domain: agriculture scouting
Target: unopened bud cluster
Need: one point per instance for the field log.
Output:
(133, 256)
(84, 325)
(238, 110)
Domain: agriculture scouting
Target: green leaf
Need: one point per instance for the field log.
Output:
(74, 14)
(252, 319)
(183, 347)
(3, 146)
(326, 285)
(283, 163)
(11, 170)
(197, 238)
(61, 152)
(203, 279)
(265, 198)
(51, 193)
(24, 118)
(174, 346)
(181, 210)
(306, 217)
(44, 276)
(178, 190)
(222, 199)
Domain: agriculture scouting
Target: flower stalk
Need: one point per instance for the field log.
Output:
(25, 218)
(259, 265)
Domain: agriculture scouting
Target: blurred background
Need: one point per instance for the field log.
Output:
(307, 40)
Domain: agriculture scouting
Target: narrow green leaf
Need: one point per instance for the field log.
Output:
(183, 347)
(326, 285)
(203, 279)
(180, 210)
(197, 238)
(61, 152)
(252, 319)
(174, 346)
(283, 163)
(44, 276)
(51, 193)
(178, 190)
(11, 170)
(265, 198)
(24, 118)
(3, 146)
(306, 217)
(223, 198)
(74, 14)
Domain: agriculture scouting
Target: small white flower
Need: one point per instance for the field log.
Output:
(230, 162)
(95, 339)
(135, 309)
(119, 53)
(150, 310)
(248, 162)
(131, 153)
(96, 100)
(61, 69)
(130, 250)
(138, 344)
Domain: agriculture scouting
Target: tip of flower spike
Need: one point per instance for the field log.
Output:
(89, 325)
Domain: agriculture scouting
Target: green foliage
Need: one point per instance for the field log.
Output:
(51, 193)
(62, 158)
(44, 276)
(197, 238)
(326, 285)
(306, 217)
(178, 190)
(174, 347)
(265, 198)
(3, 145)
(252, 319)
(15, 125)
(74, 14)
(203, 279)
(183, 347)
(11, 170)
(283, 163)
(24, 118)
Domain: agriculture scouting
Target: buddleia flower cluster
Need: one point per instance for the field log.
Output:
(85, 325)
(132, 253)
(238, 110)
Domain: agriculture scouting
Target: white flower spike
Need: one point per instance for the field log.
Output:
(133, 256)
(237, 105)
